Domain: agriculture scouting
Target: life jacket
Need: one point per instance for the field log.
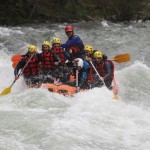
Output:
(77, 51)
(102, 70)
(90, 75)
(47, 60)
(32, 68)
(60, 53)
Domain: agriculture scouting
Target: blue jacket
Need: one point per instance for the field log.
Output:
(74, 41)
(83, 75)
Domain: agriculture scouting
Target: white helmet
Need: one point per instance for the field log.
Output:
(80, 62)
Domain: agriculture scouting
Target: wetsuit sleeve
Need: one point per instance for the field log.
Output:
(108, 70)
(67, 55)
(56, 58)
(20, 65)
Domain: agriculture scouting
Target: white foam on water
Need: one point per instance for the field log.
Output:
(36, 119)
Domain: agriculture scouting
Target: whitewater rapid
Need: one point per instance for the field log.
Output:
(35, 119)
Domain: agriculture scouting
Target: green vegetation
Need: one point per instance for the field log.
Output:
(13, 12)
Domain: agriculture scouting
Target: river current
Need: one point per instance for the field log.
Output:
(35, 119)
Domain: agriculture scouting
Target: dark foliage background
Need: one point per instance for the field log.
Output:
(13, 12)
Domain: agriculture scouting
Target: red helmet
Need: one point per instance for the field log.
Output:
(68, 28)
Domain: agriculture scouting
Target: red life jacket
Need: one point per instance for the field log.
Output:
(90, 75)
(47, 60)
(102, 70)
(75, 49)
(60, 53)
(76, 52)
(33, 67)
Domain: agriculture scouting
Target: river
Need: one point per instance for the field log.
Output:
(35, 119)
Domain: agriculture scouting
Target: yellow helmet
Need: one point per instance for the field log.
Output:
(46, 43)
(98, 54)
(32, 48)
(88, 48)
(56, 41)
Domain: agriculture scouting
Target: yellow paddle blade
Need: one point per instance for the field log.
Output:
(115, 90)
(6, 91)
(121, 58)
(116, 97)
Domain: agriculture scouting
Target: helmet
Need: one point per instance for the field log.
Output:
(88, 48)
(68, 28)
(46, 43)
(32, 48)
(56, 40)
(98, 54)
(80, 62)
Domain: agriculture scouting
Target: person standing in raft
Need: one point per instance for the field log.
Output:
(49, 61)
(105, 69)
(61, 72)
(74, 44)
(30, 64)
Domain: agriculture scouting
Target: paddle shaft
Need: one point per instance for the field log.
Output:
(13, 83)
(96, 70)
(77, 80)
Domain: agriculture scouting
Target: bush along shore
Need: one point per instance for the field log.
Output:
(14, 12)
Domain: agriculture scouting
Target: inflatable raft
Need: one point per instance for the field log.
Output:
(66, 90)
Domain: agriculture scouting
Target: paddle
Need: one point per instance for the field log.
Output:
(121, 58)
(77, 78)
(16, 57)
(8, 90)
(96, 70)
(15, 64)
(115, 90)
(115, 85)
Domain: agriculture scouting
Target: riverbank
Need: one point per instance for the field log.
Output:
(31, 11)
